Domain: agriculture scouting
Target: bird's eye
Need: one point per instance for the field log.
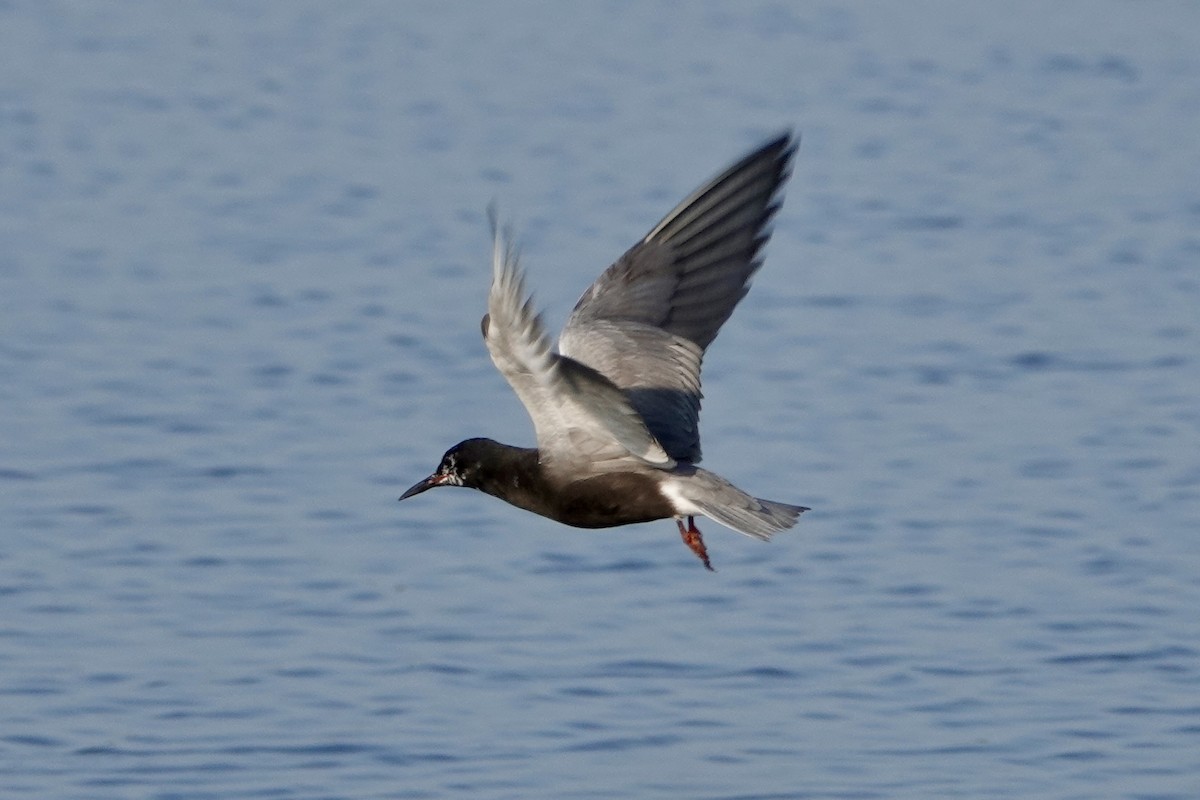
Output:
(484, 323)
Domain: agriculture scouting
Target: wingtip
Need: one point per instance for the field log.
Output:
(493, 215)
(786, 142)
(505, 253)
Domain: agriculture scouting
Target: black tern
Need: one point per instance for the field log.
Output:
(616, 409)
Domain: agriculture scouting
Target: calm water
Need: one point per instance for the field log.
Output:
(243, 262)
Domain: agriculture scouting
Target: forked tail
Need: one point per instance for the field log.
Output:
(758, 518)
(721, 501)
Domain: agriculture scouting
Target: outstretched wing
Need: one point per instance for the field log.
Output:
(647, 320)
(578, 414)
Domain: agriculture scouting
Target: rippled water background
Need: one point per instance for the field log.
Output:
(243, 260)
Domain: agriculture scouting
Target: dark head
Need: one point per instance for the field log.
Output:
(460, 466)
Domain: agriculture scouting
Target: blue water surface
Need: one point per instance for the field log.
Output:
(244, 256)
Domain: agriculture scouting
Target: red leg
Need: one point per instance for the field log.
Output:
(693, 539)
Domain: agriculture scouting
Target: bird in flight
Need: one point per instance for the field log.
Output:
(616, 408)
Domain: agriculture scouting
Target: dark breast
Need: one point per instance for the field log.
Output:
(604, 501)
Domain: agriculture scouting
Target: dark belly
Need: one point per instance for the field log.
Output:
(609, 500)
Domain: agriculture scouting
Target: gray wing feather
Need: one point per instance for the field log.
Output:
(578, 414)
(682, 280)
(661, 383)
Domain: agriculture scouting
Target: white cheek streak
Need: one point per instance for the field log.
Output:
(683, 507)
